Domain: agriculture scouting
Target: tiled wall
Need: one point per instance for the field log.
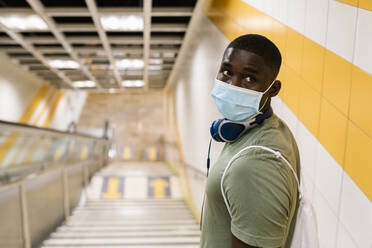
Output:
(137, 119)
(325, 99)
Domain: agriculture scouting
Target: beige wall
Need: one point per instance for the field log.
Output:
(138, 120)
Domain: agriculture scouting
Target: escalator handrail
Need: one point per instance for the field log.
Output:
(45, 130)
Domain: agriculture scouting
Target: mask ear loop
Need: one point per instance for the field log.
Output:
(263, 93)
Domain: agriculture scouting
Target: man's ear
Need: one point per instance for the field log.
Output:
(275, 88)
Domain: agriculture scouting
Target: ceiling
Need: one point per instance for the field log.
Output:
(111, 55)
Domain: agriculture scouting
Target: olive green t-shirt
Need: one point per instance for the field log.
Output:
(260, 189)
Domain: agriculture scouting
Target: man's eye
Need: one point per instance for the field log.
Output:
(250, 79)
(226, 73)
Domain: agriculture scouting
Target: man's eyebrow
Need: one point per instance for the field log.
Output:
(250, 69)
(227, 64)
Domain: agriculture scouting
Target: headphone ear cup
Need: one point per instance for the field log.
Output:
(231, 131)
(214, 130)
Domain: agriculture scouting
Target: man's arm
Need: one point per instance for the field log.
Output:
(237, 243)
(257, 190)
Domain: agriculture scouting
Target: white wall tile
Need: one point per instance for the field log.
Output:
(296, 15)
(344, 239)
(341, 29)
(356, 212)
(363, 43)
(316, 20)
(276, 104)
(307, 145)
(308, 187)
(289, 118)
(327, 221)
(279, 9)
(328, 178)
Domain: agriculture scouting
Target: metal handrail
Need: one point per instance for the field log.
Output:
(27, 127)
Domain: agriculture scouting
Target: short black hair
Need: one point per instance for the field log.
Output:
(261, 46)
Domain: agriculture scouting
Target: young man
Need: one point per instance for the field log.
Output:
(260, 188)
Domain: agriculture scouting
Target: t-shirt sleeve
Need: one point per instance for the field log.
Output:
(257, 190)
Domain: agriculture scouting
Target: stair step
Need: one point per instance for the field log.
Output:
(130, 222)
(165, 233)
(127, 246)
(133, 228)
(124, 241)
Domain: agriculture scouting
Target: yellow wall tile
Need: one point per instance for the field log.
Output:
(365, 4)
(282, 77)
(360, 100)
(358, 161)
(279, 36)
(309, 110)
(332, 131)
(291, 90)
(313, 64)
(231, 29)
(294, 50)
(337, 80)
(350, 2)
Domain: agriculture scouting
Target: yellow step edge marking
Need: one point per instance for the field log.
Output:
(112, 189)
(159, 186)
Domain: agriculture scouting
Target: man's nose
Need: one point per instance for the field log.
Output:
(235, 80)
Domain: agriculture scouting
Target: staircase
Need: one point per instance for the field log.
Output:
(139, 223)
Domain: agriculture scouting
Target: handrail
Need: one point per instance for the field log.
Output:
(42, 129)
(197, 170)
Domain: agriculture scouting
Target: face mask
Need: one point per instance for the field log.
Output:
(236, 103)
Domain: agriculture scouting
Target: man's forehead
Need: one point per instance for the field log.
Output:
(242, 57)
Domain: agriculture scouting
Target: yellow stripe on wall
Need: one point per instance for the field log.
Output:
(327, 93)
(363, 4)
(53, 109)
(25, 118)
(10, 141)
(45, 107)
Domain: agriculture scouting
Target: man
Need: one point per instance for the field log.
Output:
(260, 188)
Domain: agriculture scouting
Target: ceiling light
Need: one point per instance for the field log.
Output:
(133, 83)
(155, 67)
(129, 64)
(156, 55)
(134, 73)
(63, 64)
(168, 55)
(84, 84)
(156, 61)
(23, 22)
(122, 22)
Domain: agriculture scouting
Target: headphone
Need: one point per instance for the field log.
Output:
(224, 130)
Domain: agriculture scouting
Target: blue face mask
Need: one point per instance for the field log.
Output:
(236, 103)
